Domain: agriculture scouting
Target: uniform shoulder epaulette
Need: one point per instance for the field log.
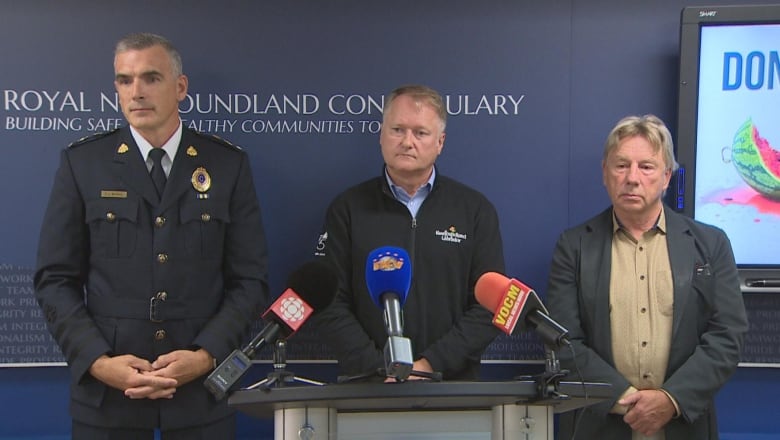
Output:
(217, 139)
(92, 137)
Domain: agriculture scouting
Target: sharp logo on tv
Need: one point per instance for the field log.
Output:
(303, 113)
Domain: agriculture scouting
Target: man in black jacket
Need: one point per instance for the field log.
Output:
(151, 261)
(450, 231)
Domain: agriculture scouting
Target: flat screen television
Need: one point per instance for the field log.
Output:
(728, 132)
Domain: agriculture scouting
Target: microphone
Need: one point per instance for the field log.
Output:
(388, 278)
(311, 288)
(513, 302)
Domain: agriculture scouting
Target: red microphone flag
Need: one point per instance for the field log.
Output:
(290, 309)
(506, 297)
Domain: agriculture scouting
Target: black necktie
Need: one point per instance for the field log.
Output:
(158, 174)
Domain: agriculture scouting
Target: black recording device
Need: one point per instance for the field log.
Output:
(312, 288)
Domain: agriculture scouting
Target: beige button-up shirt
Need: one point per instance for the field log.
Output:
(641, 300)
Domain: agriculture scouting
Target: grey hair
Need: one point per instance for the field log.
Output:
(649, 127)
(420, 93)
(146, 40)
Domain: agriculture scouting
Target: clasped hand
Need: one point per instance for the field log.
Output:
(649, 411)
(141, 379)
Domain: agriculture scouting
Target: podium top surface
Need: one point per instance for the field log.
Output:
(415, 396)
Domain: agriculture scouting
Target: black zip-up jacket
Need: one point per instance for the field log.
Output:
(454, 239)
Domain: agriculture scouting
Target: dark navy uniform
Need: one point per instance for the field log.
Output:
(123, 271)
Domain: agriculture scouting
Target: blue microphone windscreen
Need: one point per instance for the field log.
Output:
(388, 270)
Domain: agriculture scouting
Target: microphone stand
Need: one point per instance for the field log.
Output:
(548, 382)
(280, 376)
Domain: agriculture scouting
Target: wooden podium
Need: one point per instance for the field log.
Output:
(416, 409)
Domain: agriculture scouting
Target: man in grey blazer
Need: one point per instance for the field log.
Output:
(151, 262)
(651, 299)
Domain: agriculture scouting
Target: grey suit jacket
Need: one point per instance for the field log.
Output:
(709, 322)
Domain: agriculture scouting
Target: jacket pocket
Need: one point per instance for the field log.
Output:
(664, 292)
(204, 223)
(113, 226)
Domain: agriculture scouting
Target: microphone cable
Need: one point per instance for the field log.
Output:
(578, 417)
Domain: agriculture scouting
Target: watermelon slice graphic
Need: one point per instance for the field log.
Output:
(756, 161)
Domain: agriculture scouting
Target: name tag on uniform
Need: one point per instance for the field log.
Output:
(113, 194)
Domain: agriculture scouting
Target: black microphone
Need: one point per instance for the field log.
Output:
(311, 288)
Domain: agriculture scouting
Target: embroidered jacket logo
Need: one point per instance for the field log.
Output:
(451, 235)
(320, 251)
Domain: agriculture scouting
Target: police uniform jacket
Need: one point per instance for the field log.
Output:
(123, 271)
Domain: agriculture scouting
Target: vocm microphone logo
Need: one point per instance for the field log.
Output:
(507, 309)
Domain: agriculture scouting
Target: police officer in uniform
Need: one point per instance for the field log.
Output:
(151, 261)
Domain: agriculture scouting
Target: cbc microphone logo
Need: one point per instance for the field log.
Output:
(293, 309)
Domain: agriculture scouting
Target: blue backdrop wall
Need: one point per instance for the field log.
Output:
(533, 87)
